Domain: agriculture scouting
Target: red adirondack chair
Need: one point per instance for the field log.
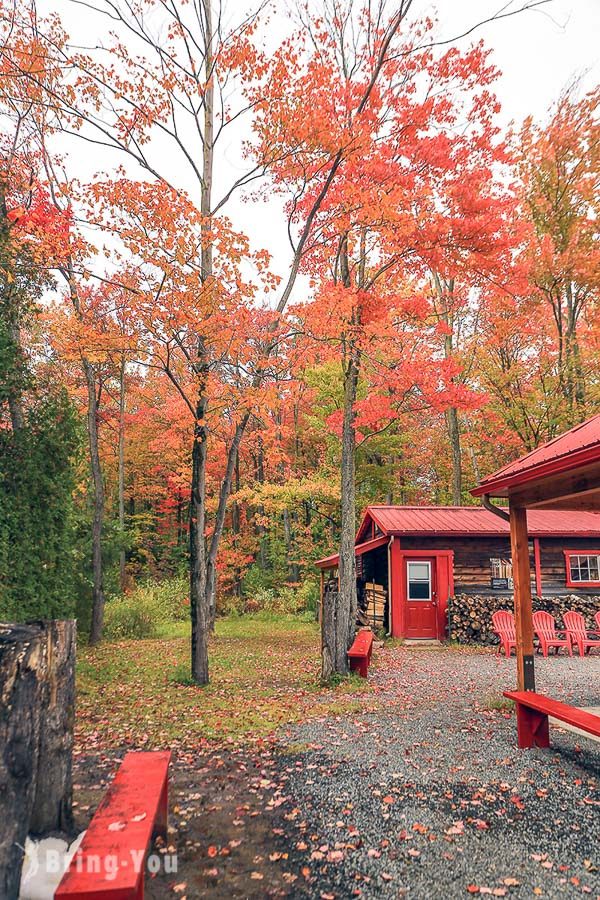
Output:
(545, 629)
(504, 626)
(597, 619)
(577, 633)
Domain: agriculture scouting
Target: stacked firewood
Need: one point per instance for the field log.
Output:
(371, 610)
(470, 615)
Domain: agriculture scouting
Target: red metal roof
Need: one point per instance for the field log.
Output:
(474, 520)
(574, 448)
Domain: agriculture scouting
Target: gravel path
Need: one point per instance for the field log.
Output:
(429, 797)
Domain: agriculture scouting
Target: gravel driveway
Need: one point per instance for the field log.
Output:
(429, 797)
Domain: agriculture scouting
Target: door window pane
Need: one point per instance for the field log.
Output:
(419, 580)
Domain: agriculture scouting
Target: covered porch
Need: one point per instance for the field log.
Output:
(563, 474)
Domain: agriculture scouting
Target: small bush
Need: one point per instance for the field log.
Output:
(129, 617)
(230, 605)
(309, 596)
(169, 597)
(286, 601)
(149, 606)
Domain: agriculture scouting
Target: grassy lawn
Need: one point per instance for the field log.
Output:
(264, 674)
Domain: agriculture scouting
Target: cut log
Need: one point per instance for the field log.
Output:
(52, 808)
(36, 718)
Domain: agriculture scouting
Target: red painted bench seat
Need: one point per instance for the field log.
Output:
(111, 860)
(532, 717)
(360, 652)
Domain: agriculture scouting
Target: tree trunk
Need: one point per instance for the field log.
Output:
(236, 530)
(289, 534)
(348, 600)
(96, 468)
(12, 312)
(575, 377)
(199, 607)
(15, 402)
(339, 609)
(121, 488)
(444, 289)
(211, 563)
(199, 595)
(98, 514)
(329, 633)
(37, 664)
(454, 435)
(52, 807)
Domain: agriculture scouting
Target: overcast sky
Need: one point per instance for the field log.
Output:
(538, 52)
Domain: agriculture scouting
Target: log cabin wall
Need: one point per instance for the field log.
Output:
(472, 555)
(554, 572)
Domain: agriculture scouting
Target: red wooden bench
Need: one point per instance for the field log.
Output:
(360, 652)
(532, 717)
(111, 860)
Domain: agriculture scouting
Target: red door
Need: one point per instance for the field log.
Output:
(421, 599)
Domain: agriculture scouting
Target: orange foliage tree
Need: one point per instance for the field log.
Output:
(414, 155)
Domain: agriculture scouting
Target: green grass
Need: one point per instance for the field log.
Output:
(264, 674)
(498, 703)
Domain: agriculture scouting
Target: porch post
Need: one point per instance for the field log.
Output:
(538, 566)
(519, 543)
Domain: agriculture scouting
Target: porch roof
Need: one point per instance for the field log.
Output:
(574, 450)
(330, 562)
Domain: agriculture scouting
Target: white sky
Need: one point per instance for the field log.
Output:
(538, 52)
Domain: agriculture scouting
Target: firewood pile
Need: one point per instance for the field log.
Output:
(371, 606)
(470, 616)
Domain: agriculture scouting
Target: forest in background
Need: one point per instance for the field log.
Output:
(155, 372)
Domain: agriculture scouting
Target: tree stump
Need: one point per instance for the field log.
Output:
(37, 692)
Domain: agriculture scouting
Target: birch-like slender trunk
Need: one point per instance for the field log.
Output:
(199, 594)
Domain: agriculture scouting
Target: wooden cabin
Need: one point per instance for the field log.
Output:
(410, 560)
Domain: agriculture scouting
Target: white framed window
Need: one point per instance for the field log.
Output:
(582, 568)
(418, 576)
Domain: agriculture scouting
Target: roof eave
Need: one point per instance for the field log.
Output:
(501, 487)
